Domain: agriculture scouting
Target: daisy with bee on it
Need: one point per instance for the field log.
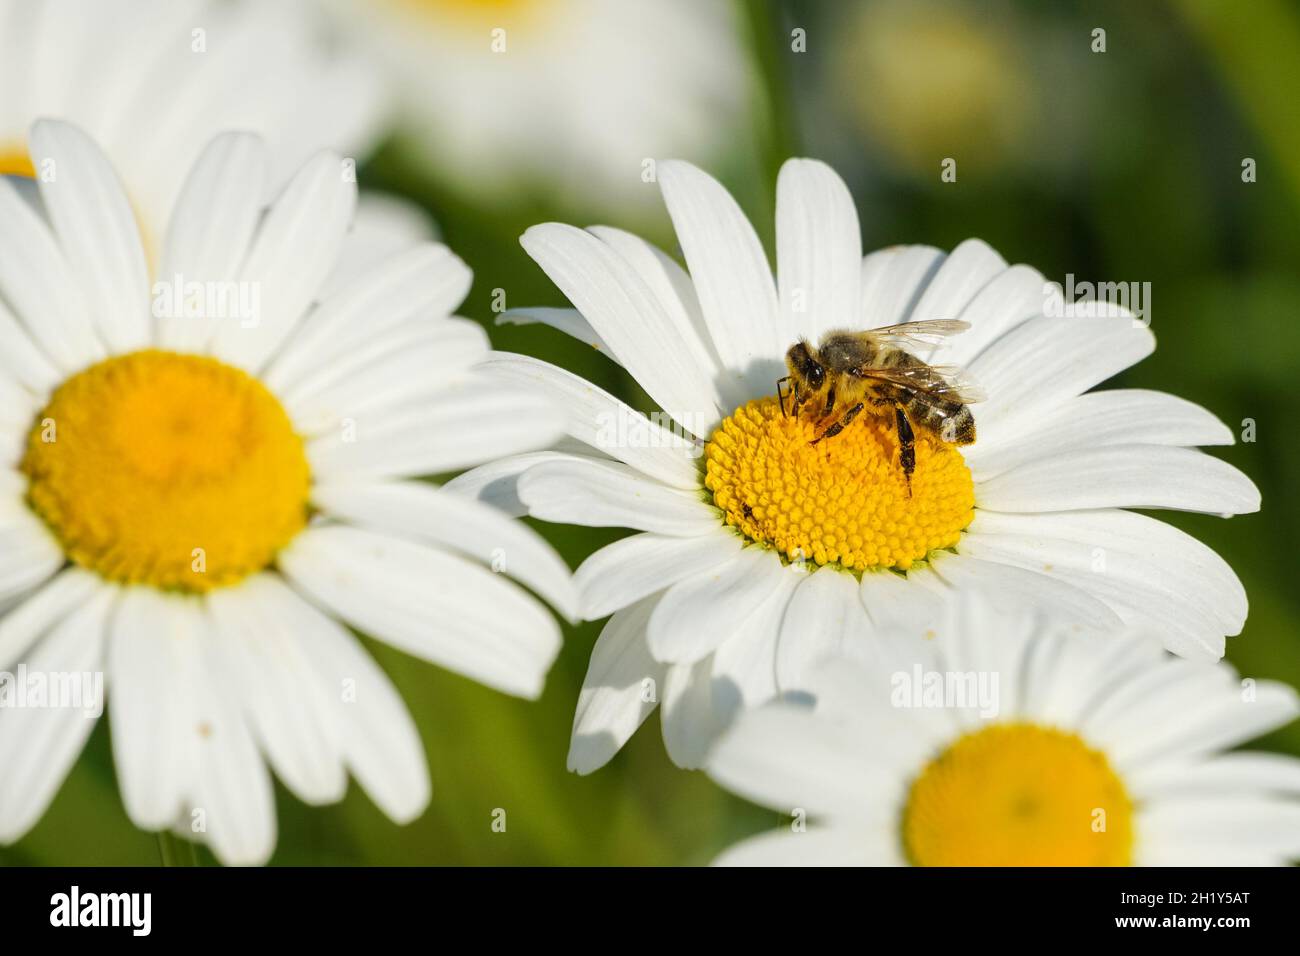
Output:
(774, 524)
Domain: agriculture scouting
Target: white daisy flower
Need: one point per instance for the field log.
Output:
(152, 81)
(198, 506)
(1010, 742)
(711, 606)
(567, 97)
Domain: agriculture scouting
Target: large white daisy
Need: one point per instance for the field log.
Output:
(564, 97)
(711, 601)
(152, 81)
(1013, 742)
(197, 506)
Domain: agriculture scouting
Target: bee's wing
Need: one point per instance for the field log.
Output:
(909, 334)
(948, 382)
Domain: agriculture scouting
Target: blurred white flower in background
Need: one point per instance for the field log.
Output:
(924, 78)
(153, 81)
(564, 97)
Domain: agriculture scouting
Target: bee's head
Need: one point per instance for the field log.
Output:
(804, 367)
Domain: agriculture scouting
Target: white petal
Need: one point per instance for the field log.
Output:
(911, 604)
(1237, 772)
(478, 531)
(1046, 360)
(468, 423)
(293, 253)
(1003, 582)
(628, 570)
(18, 408)
(817, 846)
(97, 232)
(398, 367)
(824, 619)
(686, 713)
(599, 419)
(696, 615)
(231, 785)
(1220, 832)
(968, 269)
(744, 666)
(731, 276)
(38, 745)
(421, 283)
(29, 554)
(1207, 722)
(818, 249)
(40, 285)
(1011, 297)
(1095, 419)
(429, 603)
(1131, 561)
(497, 482)
(211, 228)
(20, 357)
(673, 290)
(786, 757)
(600, 494)
(1122, 476)
(1124, 718)
(568, 321)
(153, 660)
(385, 228)
(626, 313)
(22, 626)
(893, 280)
(285, 703)
(365, 717)
(620, 690)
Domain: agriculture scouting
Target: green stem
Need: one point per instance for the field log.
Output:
(175, 851)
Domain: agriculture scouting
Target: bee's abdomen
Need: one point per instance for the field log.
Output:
(951, 421)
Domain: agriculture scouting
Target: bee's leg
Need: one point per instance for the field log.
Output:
(839, 426)
(906, 446)
(797, 399)
(780, 395)
(830, 401)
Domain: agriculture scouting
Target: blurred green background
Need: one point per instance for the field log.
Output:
(1117, 166)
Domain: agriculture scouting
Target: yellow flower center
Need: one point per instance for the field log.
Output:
(14, 161)
(1018, 795)
(171, 470)
(481, 16)
(842, 501)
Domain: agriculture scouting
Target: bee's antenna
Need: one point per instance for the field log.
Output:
(780, 394)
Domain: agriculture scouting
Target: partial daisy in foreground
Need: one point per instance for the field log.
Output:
(1015, 743)
(202, 490)
(152, 81)
(562, 97)
(712, 604)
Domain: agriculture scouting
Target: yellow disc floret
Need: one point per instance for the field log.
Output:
(843, 500)
(171, 470)
(1018, 795)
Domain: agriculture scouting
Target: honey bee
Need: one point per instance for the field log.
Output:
(849, 371)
